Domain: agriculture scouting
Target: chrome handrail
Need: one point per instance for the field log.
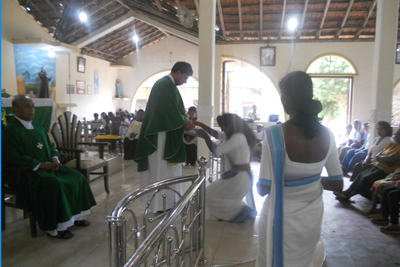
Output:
(192, 201)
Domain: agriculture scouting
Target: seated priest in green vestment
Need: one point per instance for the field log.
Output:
(160, 151)
(58, 196)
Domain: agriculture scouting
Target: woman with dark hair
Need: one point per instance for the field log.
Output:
(224, 197)
(353, 156)
(294, 154)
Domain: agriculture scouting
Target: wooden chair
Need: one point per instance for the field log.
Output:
(8, 199)
(67, 134)
(113, 137)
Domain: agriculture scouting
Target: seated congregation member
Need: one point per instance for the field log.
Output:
(387, 162)
(390, 207)
(355, 140)
(96, 119)
(58, 196)
(123, 128)
(379, 186)
(345, 136)
(353, 156)
(259, 133)
(132, 136)
(253, 113)
(224, 197)
(190, 141)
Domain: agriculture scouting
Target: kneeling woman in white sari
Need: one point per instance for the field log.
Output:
(224, 197)
(294, 154)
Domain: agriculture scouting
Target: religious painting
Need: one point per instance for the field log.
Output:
(30, 65)
(268, 56)
(80, 87)
(81, 64)
(96, 82)
(398, 54)
(89, 90)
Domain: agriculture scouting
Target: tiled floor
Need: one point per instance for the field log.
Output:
(349, 238)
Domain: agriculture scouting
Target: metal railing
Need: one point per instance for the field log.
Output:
(165, 244)
(217, 167)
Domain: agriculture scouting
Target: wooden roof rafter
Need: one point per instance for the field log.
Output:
(282, 19)
(261, 18)
(346, 16)
(147, 37)
(371, 8)
(94, 20)
(41, 13)
(240, 19)
(221, 18)
(128, 37)
(144, 44)
(328, 2)
(303, 17)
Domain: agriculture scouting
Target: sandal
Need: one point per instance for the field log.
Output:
(380, 220)
(63, 235)
(390, 230)
(83, 223)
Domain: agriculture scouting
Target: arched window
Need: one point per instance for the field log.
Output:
(332, 78)
(244, 86)
(189, 92)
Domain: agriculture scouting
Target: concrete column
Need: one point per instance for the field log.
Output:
(205, 110)
(384, 60)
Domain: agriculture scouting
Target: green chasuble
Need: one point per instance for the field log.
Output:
(54, 197)
(164, 113)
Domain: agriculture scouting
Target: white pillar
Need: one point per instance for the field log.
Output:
(384, 60)
(205, 110)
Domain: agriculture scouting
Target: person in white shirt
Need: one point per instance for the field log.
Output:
(132, 136)
(253, 113)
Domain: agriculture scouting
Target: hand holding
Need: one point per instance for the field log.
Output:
(48, 166)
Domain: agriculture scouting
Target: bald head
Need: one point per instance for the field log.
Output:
(23, 107)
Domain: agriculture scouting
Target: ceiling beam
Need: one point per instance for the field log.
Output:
(127, 36)
(328, 29)
(345, 18)
(221, 18)
(54, 8)
(196, 3)
(92, 21)
(41, 13)
(303, 17)
(146, 38)
(283, 19)
(162, 26)
(104, 30)
(371, 8)
(159, 5)
(261, 19)
(103, 5)
(323, 18)
(240, 19)
(128, 51)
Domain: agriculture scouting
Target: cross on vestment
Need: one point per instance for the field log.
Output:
(39, 145)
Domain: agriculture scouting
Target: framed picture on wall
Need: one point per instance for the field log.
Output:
(89, 89)
(81, 64)
(267, 56)
(70, 89)
(398, 54)
(80, 87)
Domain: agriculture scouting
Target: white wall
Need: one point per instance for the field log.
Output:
(153, 59)
(360, 54)
(66, 71)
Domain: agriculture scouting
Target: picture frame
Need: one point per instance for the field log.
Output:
(81, 64)
(398, 54)
(268, 56)
(89, 90)
(80, 87)
(70, 89)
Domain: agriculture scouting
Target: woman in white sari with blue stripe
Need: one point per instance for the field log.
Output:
(294, 154)
(224, 197)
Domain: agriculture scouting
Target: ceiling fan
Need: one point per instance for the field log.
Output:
(184, 15)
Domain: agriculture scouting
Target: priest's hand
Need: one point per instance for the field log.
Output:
(56, 164)
(188, 126)
(48, 166)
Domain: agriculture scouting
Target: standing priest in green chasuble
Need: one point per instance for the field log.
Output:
(58, 196)
(160, 151)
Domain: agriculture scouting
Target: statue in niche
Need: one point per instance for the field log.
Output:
(118, 88)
